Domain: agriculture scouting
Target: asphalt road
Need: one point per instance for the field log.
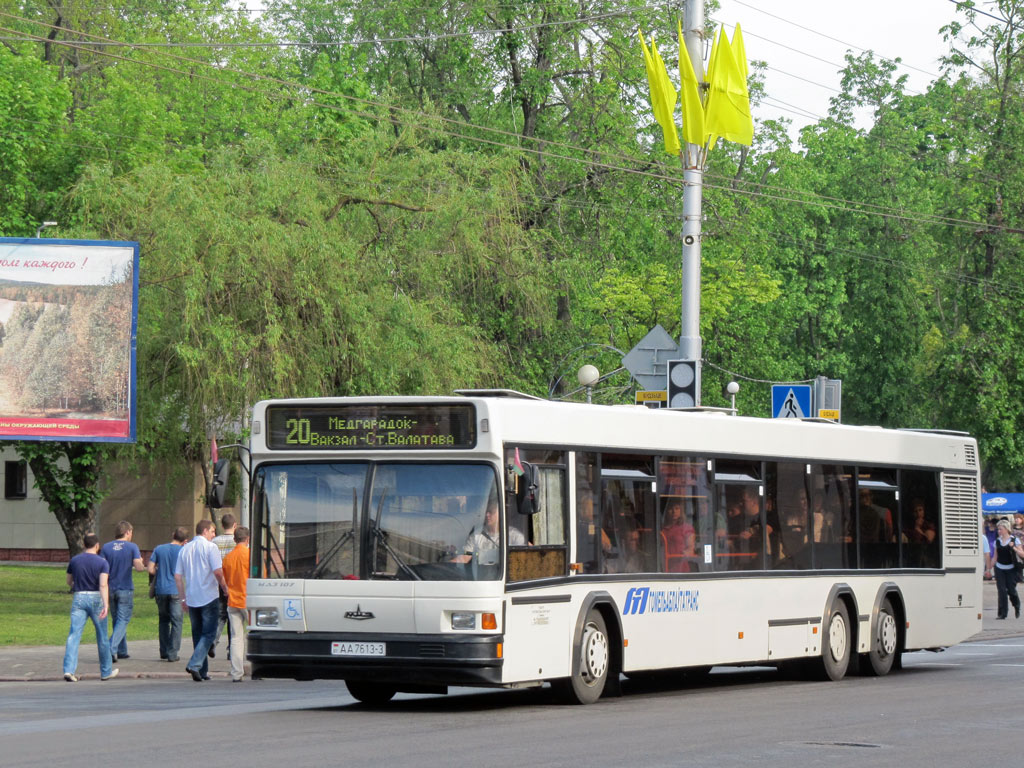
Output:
(958, 708)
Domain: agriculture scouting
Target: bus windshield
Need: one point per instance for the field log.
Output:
(418, 522)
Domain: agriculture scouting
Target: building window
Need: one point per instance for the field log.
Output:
(15, 480)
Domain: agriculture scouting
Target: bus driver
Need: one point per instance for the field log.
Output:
(484, 541)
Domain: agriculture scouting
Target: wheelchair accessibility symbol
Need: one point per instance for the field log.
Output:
(292, 609)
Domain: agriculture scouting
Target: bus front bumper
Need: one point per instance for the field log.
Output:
(411, 660)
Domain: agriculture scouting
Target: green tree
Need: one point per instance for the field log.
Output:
(32, 107)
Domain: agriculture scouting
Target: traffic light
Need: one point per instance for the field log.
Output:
(683, 383)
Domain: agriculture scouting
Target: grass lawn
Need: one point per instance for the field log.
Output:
(35, 607)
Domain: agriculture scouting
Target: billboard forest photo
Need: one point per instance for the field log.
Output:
(67, 319)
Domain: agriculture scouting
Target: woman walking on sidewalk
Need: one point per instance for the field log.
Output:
(1005, 571)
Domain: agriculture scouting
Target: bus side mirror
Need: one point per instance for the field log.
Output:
(526, 490)
(221, 473)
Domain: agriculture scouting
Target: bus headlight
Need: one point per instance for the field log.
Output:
(463, 620)
(267, 617)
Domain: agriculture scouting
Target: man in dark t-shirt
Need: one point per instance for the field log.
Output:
(87, 575)
(123, 556)
(168, 606)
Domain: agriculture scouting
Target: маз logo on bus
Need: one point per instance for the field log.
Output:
(646, 600)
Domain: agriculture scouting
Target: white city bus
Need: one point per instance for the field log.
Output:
(627, 541)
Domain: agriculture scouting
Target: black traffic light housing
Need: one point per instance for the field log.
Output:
(683, 386)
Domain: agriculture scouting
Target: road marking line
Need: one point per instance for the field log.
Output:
(997, 645)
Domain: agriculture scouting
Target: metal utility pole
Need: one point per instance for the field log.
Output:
(693, 190)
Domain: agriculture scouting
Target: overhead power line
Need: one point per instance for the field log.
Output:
(971, 7)
(897, 62)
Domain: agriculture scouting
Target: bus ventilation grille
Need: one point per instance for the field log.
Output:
(431, 650)
(962, 505)
(971, 456)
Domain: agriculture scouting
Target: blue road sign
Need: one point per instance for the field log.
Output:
(791, 401)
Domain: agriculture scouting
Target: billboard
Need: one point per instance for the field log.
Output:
(68, 316)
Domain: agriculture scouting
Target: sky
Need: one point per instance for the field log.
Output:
(908, 29)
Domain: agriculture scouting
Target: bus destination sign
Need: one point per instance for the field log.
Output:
(370, 427)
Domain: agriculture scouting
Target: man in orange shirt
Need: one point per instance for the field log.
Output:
(236, 571)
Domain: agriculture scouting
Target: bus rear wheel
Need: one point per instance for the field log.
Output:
(590, 670)
(369, 692)
(884, 643)
(835, 645)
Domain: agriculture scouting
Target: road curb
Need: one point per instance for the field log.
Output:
(120, 676)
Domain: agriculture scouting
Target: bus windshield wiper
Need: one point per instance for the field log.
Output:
(382, 537)
(346, 537)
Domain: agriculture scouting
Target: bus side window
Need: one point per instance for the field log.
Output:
(788, 514)
(921, 529)
(547, 526)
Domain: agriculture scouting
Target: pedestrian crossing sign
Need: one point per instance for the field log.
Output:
(791, 401)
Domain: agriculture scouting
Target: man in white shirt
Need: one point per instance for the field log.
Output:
(200, 580)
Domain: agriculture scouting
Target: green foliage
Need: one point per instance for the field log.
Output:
(35, 607)
(468, 195)
(32, 106)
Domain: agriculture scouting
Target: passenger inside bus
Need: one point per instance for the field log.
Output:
(744, 529)
(631, 557)
(823, 521)
(587, 536)
(793, 530)
(919, 530)
(875, 521)
(679, 538)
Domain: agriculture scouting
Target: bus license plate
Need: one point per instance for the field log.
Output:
(358, 649)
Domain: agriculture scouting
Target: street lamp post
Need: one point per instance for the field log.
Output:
(588, 377)
(44, 225)
(732, 388)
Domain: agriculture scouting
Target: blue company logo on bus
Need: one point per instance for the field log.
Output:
(647, 600)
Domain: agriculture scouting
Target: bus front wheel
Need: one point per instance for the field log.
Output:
(835, 645)
(590, 669)
(370, 693)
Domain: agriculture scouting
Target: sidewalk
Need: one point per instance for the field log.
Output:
(25, 663)
(21, 663)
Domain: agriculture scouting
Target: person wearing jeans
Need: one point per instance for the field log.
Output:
(122, 606)
(165, 591)
(87, 575)
(123, 556)
(200, 578)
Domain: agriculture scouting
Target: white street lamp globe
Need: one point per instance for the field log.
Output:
(588, 375)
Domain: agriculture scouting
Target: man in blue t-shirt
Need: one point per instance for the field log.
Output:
(123, 556)
(87, 576)
(168, 605)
